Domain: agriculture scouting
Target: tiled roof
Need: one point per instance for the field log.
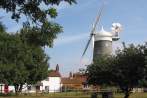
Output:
(79, 75)
(73, 80)
(54, 73)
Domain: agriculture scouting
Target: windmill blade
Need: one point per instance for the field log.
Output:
(97, 19)
(87, 45)
(93, 42)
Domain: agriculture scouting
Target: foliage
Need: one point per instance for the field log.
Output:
(38, 27)
(40, 36)
(100, 71)
(2, 27)
(21, 63)
(35, 10)
(125, 69)
(22, 58)
(130, 68)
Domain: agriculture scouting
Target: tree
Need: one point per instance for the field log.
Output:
(125, 69)
(130, 68)
(20, 62)
(38, 13)
(100, 71)
(40, 36)
(2, 27)
(22, 58)
(34, 10)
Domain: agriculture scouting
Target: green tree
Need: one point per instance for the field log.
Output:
(100, 71)
(125, 69)
(2, 27)
(22, 58)
(38, 25)
(20, 62)
(37, 11)
(130, 68)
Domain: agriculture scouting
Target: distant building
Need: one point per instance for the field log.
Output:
(74, 81)
(51, 84)
(5, 88)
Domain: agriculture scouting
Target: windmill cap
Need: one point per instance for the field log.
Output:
(103, 35)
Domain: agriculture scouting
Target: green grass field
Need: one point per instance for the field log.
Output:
(72, 95)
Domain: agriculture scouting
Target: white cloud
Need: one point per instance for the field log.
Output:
(69, 39)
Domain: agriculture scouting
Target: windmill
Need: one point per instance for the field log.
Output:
(102, 40)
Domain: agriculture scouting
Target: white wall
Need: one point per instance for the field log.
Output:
(2, 88)
(45, 84)
(11, 88)
(54, 84)
(51, 84)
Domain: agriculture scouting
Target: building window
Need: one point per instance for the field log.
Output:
(47, 88)
(37, 88)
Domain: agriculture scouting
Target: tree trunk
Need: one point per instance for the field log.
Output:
(127, 94)
(126, 90)
(18, 88)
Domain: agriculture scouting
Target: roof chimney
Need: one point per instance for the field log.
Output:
(70, 75)
(57, 67)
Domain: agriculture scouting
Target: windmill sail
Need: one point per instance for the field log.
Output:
(93, 30)
(87, 45)
(97, 19)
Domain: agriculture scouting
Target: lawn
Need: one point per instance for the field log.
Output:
(72, 95)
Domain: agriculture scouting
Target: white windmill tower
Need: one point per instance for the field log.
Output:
(102, 40)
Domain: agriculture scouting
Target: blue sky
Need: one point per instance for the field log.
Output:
(77, 21)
